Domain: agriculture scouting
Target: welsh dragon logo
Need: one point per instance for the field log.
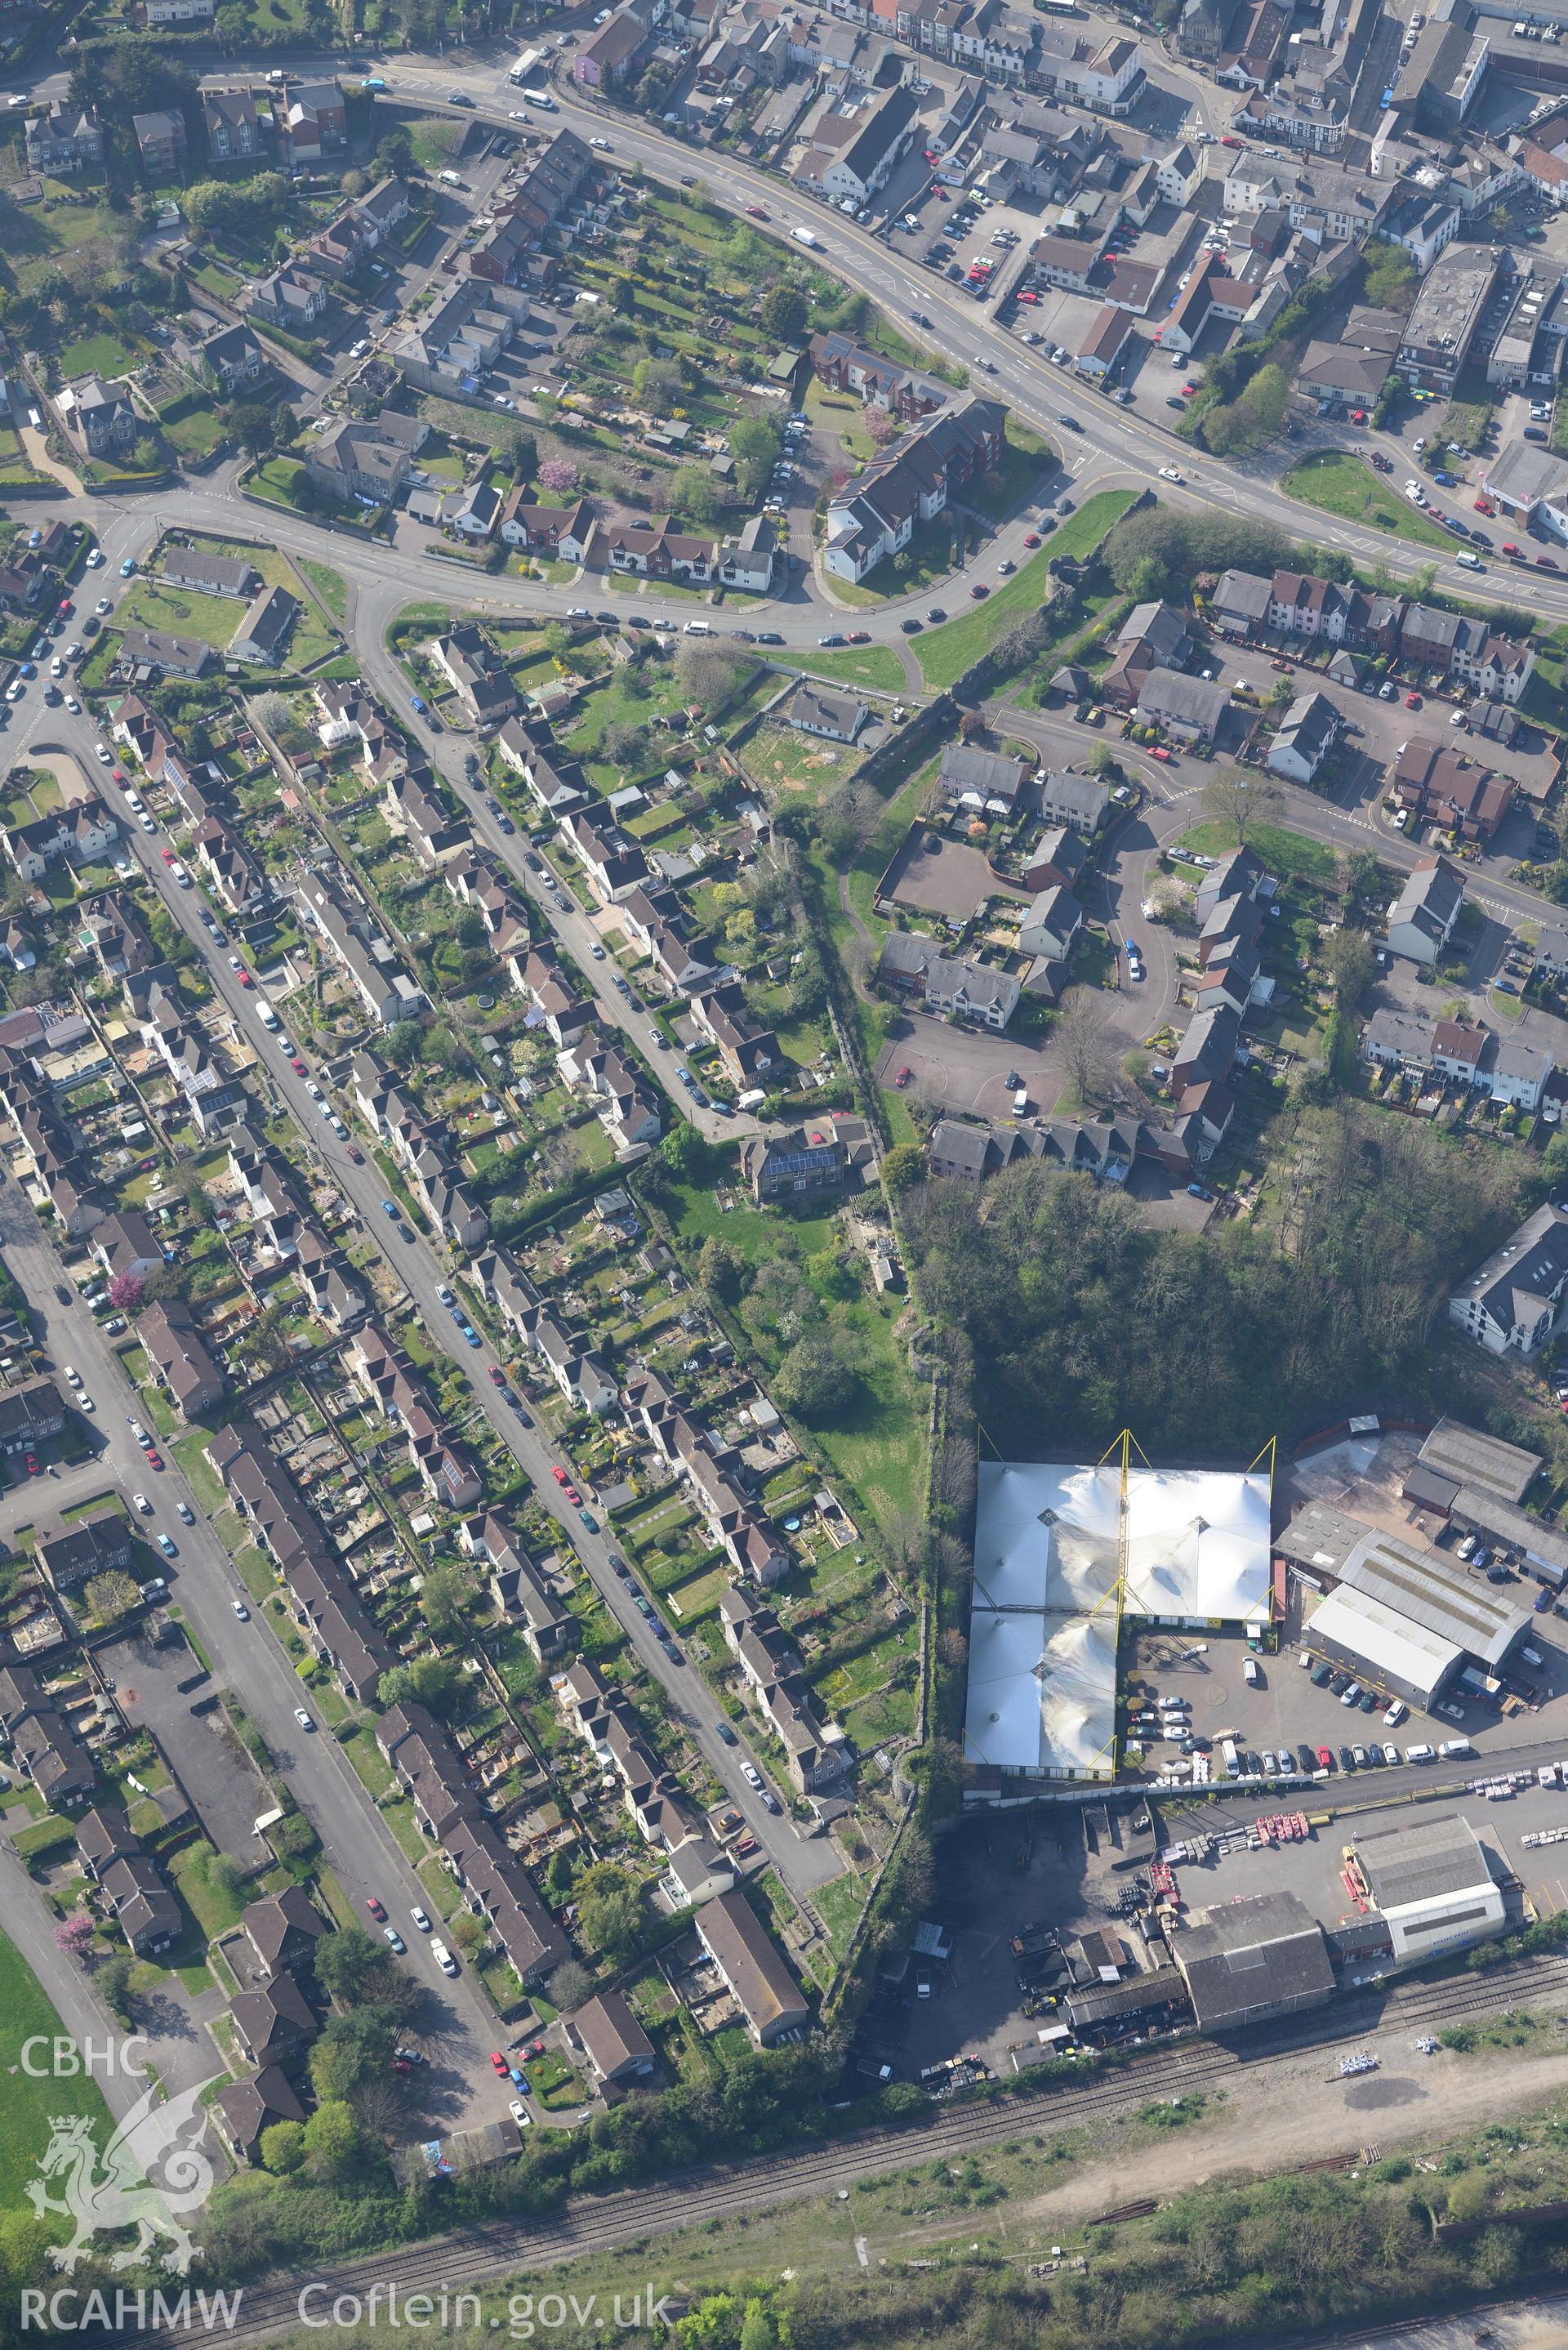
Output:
(152, 2138)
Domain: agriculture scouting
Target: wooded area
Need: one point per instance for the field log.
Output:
(1083, 1321)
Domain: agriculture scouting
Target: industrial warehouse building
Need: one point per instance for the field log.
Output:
(1408, 1619)
(1354, 1629)
(1472, 1458)
(1062, 1553)
(1434, 1888)
(1248, 1960)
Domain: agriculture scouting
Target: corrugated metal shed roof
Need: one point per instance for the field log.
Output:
(1476, 1458)
(1406, 1867)
(1427, 1587)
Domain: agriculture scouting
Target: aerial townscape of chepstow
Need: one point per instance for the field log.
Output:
(783, 1174)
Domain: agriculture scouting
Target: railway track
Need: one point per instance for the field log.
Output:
(481, 2255)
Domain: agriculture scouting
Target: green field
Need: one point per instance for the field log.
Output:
(31, 2105)
(1284, 852)
(877, 666)
(329, 585)
(957, 645)
(192, 426)
(1345, 486)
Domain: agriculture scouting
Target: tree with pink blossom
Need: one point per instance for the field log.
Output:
(879, 427)
(74, 1934)
(125, 1292)
(559, 474)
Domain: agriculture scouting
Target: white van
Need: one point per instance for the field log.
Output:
(267, 1016)
(1231, 1759)
(1420, 1753)
(1251, 1672)
(1453, 1747)
(1470, 562)
(542, 100)
(451, 179)
(698, 629)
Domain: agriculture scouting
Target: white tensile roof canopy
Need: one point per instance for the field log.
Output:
(1048, 1536)
(1050, 1543)
(1198, 1544)
(1042, 1693)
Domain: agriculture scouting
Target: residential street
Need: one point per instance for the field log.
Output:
(246, 1657)
(805, 1861)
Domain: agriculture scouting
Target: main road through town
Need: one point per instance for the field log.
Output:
(1115, 444)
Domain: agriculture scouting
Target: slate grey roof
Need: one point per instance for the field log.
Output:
(1265, 1950)
(1423, 1864)
(1476, 1458)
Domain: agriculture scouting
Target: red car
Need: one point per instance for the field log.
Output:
(154, 1461)
(1229, 142)
(902, 1079)
(375, 1908)
(497, 1377)
(33, 1467)
(120, 777)
(755, 212)
(1358, 416)
(980, 591)
(1161, 754)
(1188, 390)
(167, 855)
(499, 2061)
(1324, 1759)
(244, 979)
(356, 1154)
(559, 1475)
(1412, 702)
(64, 606)
(1544, 563)
(297, 1064)
(1485, 506)
(1508, 549)
(859, 637)
(1031, 538)
(573, 1496)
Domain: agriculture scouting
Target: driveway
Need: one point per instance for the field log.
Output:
(211, 1766)
(950, 878)
(966, 1069)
